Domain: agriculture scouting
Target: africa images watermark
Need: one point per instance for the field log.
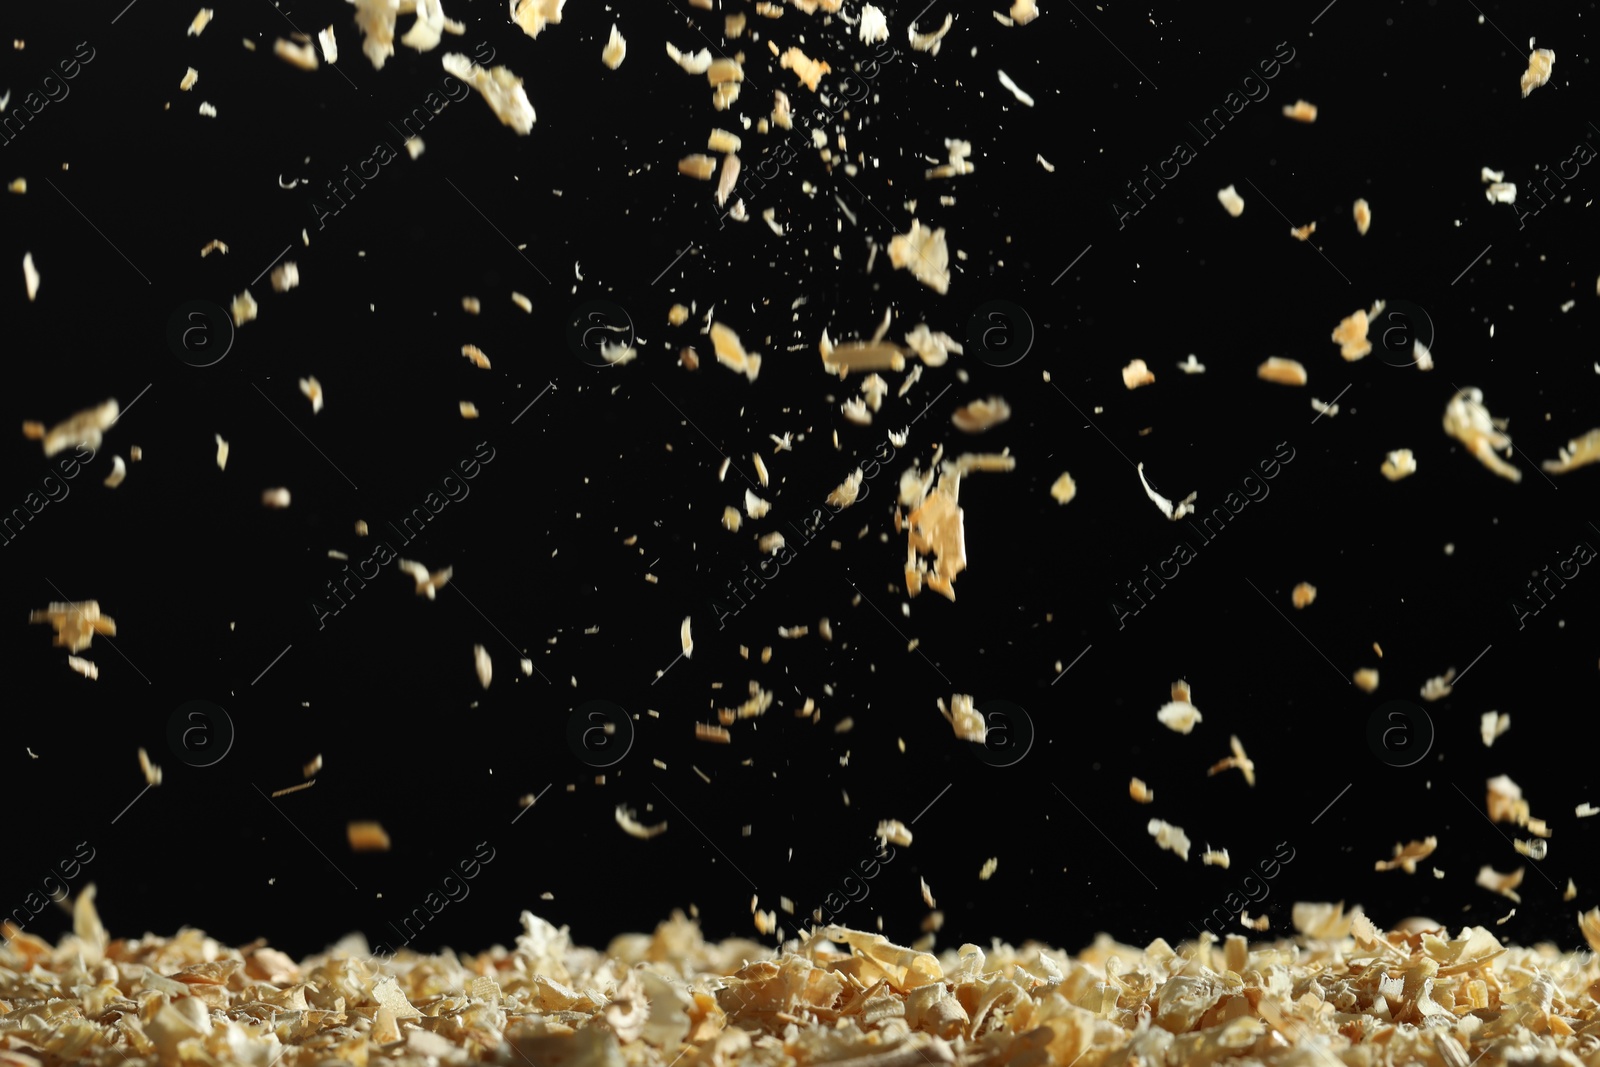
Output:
(1543, 579)
(453, 91)
(1232, 504)
(1255, 90)
(1581, 155)
(785, 153)
(51, 90)
(383, 554)
(55, 490)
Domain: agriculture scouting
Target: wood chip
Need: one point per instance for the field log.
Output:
(300, 55)
(84, 667)
(1303, 233)
(894, 832)
(313, 391)
(1231, 201)
(119, 471)
(476, 355)
(1406, 857)
(616, 49)
(275, 498)
(1137, 374)
(1468, 421)
(1282, 371)
(808, 70)
(1538, 72)
(925, 254)
(709, 732)
(367, 837)
(1366, 678)
(1304, 594)
(1300, 111)
(1400, 463)
(1064, 489)
(1580, 452)
(698, 166)
(30, 276)
(633, 828)
(686, 638)
(981, 415)
(1172, 838)
(500, 89)
(1363, 216)
(484, 665)
(989, 867)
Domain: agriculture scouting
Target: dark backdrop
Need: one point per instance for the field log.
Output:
(215, 597)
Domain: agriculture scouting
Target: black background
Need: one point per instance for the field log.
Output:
(209, 589)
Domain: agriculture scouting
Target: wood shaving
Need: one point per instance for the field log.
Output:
(959, 164)
(844, 494)
(925, 254)
(929, 42)
(754, 506)
(483, 664)
(18, 185)
(1179, 716)
(964, 718)
(636, 829)
(500, 89)
(287, 276)
(468, 409)
(1238, 760)
(275, 498)
(1439, 687)
(1231, 201)
(534, 15)
(1304, 594)
(1363, 216)
(1538, 72)
(330, 45)
(119, 471)
(244, 308)
(1400, 463)
(1580, 452)
(1213, 858)
(367, 837)
(731, 354)
(932, 348)
(222, 453)
(87, 668)
(1300, 111)
(1005, 80)
(1183, 508)
(1172, 838)
(1366, 678)
(313, 392)
(874, 27)
(476, 355)
(1491, 725)
(428, 582)
(1504, 884)
(935, 528)
(840, 996)
(1467, 420)
(1064, 489)
(198, 24)
(616, 49)
(85, 428)
(989, 867)
(1406, 857)
(1351, 334)
(311, 769)
(300, 55)
(1136, 374)
(1140, 792)
(1283, 371)
(708, 732)
(808, 70)
(686, 637)
(894, 832)
(1303, 233)
(981, 415)
(30, 276)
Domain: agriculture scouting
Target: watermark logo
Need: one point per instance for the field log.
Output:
(1400, 733)
(596, 327)
(1000, 333)
(1008, 733)
(1404, 331)
(200, 733)
(599, 733)
(200, 333)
